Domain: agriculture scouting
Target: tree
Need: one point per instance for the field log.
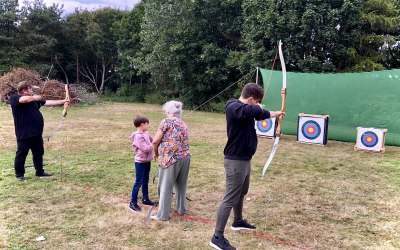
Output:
(314, 33)
(8, 33)
(377, 45)
(185, 47)
(102, 41)
(75, 43)
(40, 29)
(321, 35)
(128, 30)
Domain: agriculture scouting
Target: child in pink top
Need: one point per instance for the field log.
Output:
(144, 154)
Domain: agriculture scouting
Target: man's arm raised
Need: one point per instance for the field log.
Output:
(55, 102)
(27, 99)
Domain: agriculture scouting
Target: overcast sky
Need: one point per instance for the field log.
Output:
(70, 5)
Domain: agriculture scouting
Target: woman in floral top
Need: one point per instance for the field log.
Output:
(171, 148)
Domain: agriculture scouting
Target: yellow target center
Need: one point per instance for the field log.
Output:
(310, 130)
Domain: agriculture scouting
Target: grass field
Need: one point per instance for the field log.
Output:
(315, 197)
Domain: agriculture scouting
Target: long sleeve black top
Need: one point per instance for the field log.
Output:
(242, 137)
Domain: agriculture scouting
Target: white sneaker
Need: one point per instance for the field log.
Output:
(154, 217)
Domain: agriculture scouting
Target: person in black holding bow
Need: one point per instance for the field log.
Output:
(239, 149)
(29, 124)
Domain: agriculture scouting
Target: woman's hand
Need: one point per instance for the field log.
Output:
(156, 142)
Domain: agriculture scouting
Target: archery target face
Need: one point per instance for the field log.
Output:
(370, 139)
(311, 129)
(266, 127)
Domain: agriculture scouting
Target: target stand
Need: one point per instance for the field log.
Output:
(370, 139)
(312, 129)
(266, 128)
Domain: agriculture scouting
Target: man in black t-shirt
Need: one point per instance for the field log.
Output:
(29, 123)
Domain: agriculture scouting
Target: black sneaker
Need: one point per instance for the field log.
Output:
(221, 243)
(134, 207)
(148, 202)
(242, 225)
(21, 179)
(44, 175)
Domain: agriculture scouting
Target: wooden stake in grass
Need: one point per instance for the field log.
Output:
(61, 166)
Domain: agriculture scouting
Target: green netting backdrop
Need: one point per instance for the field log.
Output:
(369, 99)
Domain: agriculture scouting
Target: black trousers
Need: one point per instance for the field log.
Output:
(35, 144)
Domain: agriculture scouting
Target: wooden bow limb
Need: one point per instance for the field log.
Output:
(68, 99)
(283, 109)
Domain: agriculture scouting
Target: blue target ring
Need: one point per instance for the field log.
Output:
(369, 139)
(264, 125)
(311, 130)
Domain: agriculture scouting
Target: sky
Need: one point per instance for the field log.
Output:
(70, 5)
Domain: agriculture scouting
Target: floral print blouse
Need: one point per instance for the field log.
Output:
(174, 144)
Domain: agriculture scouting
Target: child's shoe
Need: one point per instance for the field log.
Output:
(135, 208)
(148, 202)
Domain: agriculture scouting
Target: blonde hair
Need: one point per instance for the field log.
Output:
(174, 108)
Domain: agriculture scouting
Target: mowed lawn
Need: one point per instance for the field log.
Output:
(312, 197)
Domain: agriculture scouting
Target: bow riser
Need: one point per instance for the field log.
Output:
(283, 109)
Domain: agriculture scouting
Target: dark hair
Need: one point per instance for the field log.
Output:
(253, 90)
(24, 85)
(139, 120)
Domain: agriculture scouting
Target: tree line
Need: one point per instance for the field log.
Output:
(192, 49)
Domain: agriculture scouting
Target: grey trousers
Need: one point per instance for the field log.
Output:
(237, 185)
(175, 177)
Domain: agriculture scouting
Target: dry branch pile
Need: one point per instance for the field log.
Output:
(51, 89)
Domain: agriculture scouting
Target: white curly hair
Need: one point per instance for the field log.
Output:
(174, 108)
